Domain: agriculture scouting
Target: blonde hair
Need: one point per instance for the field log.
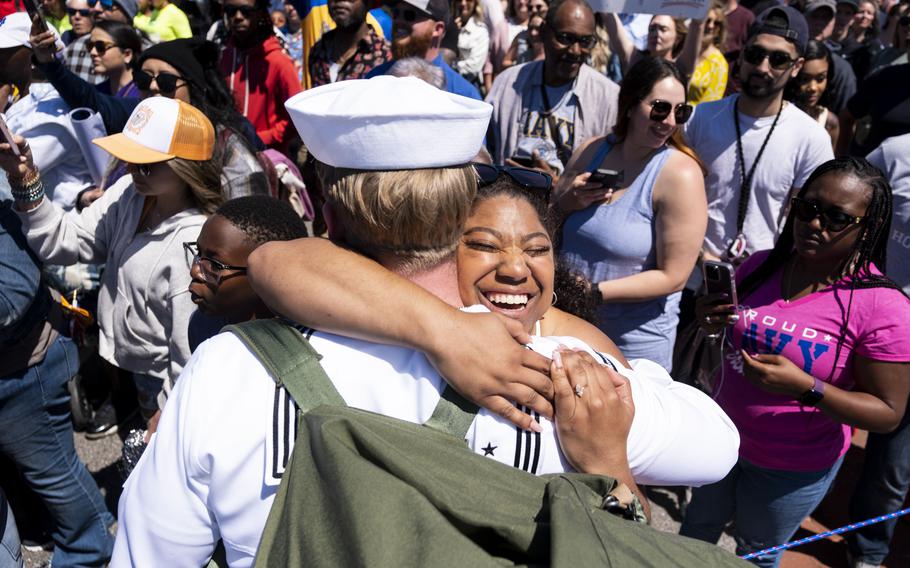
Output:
(204, 179)
(415, 215)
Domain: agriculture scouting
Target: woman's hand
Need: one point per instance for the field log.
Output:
(16, 167)
(714, 312)
(776, 374)
(88, 196)
(483, 357)
(44, 45)
(580, 194)
(594, 411)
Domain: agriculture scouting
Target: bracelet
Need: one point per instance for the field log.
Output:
(29, 189)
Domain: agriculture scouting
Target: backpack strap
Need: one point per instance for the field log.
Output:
(453, 414)
(291, 361)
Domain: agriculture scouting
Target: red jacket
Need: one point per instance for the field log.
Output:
(261, 79)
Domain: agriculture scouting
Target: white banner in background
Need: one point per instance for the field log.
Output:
(676, 8)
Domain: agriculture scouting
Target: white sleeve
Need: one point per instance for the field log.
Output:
(162, 514)
(816, 151)
(479, 51)
(679, 435)
(67, 238)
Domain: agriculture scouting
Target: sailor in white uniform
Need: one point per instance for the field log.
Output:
(213, 468)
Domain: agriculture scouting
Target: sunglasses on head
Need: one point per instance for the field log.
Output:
(755, 54)
(660, 110)
(99, 46)
(167, 82)
(831, 219)
(84, 12)
(245, 11)
(407, 14)
(105, 4)
(568, 39)
(535, 181)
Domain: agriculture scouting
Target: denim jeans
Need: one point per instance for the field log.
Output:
(10, 547)
(882, 489)
(36, 432)
(767, 506)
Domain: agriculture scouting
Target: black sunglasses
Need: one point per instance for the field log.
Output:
(85, 12)
(245, 11)
(755, 54)
(167, 82)
(407, 14)
(660, 110)
(535, 181)
(831, 220)
(100, 46)
(568, 39)
(105, 4)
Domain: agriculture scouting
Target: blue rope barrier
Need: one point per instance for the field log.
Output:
(815, 537)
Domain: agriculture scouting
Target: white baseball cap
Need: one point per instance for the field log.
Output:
(161, 129)
(16, 28)
(389, 123)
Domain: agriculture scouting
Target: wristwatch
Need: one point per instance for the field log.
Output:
(814, 395)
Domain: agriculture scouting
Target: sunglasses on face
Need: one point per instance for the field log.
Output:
(212, 270)
(536, 182)
(830, 220)
(245, 11)
(99, 46)
(167, 82)
(568, 39)
(105, 4)
(660, 110)
(755, 54)
(84, 12)
(407, 14)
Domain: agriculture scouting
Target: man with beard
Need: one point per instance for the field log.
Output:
(349, 51)
(418, 27)
(543, 110)
(820, 16)
(257, 71)
(758, 148)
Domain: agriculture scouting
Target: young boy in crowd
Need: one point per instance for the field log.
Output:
(220, 288)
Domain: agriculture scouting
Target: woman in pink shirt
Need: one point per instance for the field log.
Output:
(817, 344)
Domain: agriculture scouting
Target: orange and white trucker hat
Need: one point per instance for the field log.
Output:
(161, 129)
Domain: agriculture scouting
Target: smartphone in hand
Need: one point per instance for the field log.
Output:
(720, 279)
(606, 178)
(8, 136)
(523, 161)
(34, 15)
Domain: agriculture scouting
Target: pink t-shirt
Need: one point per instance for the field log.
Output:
(776, 431)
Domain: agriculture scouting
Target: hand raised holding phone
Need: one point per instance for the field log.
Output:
(15, 155)
(587, 189)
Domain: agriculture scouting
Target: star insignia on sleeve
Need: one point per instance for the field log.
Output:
(488, 450)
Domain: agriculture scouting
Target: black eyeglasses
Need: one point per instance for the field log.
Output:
(407, 14)
(100, 46)
(212, 270)
(755, 54)
(167, 82)
(568, 39)
(535, 181)
(831, 219)
(660, 110)
(84, 12)
(245, 11)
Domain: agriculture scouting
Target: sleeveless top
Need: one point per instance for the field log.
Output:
(616, 240)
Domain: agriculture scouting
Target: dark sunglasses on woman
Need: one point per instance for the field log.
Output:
(167, 82)
(536, 181)
(99, 46)
(779, 60)
(831, 219)
(660, 110)
(245, 11)
(84, 12)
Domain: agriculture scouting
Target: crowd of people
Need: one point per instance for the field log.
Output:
(505, 204)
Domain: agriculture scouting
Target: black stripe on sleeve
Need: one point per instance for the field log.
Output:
(536, 447)
(287, 429)
(275, 422)
(518, 445)
(606, 361)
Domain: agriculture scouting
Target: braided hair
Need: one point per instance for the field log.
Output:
(869, 249)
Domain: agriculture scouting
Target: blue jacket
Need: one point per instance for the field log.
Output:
(455, 83)
(24, 301)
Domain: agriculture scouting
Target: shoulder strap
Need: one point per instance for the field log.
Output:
(453, 414)
(601, 153)
(290, 360)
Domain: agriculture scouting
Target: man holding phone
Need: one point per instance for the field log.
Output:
(543, 110)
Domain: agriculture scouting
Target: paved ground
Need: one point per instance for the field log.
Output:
(102, 457)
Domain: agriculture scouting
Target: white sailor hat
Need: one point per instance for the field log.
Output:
(389, 123)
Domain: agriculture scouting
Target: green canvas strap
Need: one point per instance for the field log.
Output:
(453, 414)
(290, 360)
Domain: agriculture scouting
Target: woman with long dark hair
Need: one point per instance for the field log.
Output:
(818, 344)
(114, 47)
(809, 89)
(637, 238)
